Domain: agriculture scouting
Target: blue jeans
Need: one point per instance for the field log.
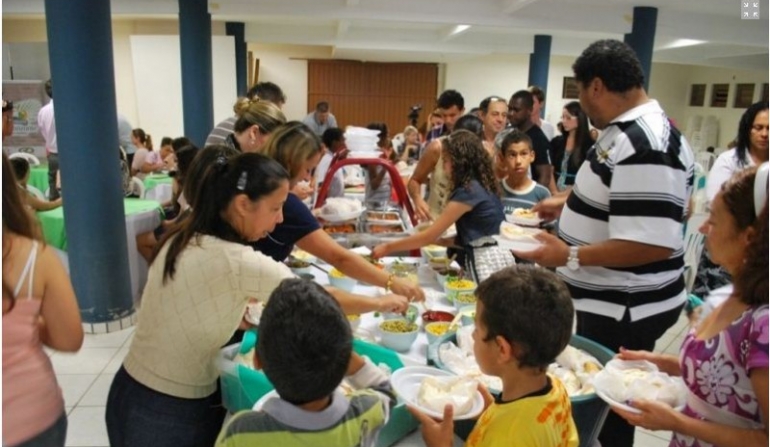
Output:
(53, 436)
(138, 416)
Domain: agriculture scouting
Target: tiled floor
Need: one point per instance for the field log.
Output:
(85, 379)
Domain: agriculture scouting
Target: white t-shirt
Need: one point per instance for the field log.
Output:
(725, 166)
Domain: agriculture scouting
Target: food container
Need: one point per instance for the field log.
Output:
(437, 315)
(434, 255)
(298, 267)
(468, 314)
(434, 331)
(339, 280)
(455, 286)
(398, 334)
(405, 270)
(410, 314)
(465, 299)
(380, 228)
(443, 273)
(355, 321)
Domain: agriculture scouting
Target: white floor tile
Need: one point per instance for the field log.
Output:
(87, 428)
(74, 386)
(110, 340)
(116, 361)
(68, 410)
(86, 361)
(96, 396)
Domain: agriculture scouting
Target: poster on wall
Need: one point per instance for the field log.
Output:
(28, 97)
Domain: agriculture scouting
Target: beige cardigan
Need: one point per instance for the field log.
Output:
(183, 324)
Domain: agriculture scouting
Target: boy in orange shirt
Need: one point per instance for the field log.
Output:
(523, 321)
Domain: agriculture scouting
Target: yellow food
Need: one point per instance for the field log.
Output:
(438, 329)
(460, 284)
(525, 213)
(399, 326)
(353, 317)
(467, 298)
(334, 273)
(302, 255)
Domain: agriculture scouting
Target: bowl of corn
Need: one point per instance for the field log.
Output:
(339, 280)
(436, 330)
(398, 334)
(454, 286)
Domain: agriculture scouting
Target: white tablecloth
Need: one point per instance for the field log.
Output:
(161, 192)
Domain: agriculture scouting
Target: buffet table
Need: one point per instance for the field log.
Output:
(141, 216)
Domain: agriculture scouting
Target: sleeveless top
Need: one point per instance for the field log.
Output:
(438, 188)
(32, 399)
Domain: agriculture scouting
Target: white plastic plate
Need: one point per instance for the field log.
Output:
(406, 382)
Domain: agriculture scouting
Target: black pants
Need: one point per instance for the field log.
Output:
(613, 334)
(53, 169)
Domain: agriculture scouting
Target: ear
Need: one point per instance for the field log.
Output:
(531, 155)
(596, 86)
(505, 350)
(254, 131)
(748, 236)
(241, 204)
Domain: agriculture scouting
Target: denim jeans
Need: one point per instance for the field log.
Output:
(53, 436)
(138, 416)
(53, 168)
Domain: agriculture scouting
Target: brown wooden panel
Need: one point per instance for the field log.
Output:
(361, 93)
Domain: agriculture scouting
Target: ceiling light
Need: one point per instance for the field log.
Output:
(459, 29)
(681, 43)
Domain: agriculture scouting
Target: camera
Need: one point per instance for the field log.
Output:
(414, 114)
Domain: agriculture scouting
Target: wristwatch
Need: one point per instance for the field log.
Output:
(573, 262)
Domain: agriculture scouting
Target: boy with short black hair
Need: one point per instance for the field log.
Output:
(519, 190)
(305, 350)
(523, 321)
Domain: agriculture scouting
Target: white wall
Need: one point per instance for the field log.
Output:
(286, 66)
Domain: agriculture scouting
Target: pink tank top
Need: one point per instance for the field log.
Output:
(32, 399)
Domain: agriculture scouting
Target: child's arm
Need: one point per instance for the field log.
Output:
(362, 374)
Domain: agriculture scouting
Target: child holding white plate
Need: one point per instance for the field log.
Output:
(523, 321)
(519, 190)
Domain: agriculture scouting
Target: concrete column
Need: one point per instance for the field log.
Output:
(238, 31)
(642, 38)
(539, 62)
(197, 77)
(82, 70)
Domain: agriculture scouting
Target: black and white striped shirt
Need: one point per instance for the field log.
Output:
(634, 185)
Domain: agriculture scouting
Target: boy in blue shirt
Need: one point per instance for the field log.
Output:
(519, 190)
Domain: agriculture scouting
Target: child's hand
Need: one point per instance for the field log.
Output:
(436, 433)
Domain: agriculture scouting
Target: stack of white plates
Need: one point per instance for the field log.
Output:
(359, 139)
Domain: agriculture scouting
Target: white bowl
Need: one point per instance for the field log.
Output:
(398, 341)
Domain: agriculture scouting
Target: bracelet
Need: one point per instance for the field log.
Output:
(389, 282)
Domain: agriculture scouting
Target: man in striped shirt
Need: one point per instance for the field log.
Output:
(620, 247)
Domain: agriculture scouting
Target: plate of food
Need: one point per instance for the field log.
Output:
(622, 381)
(430, 390)
(524, 216)
(339, 209)
(514, 237)
(448, 233)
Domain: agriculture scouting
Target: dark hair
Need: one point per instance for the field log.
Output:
(322, 107)
(471, 123)
(612, 61)
(143, 137)
(218, 174)
(49, 88)
(525, 97)
(180, 142)
(20, 167)
(384, 134)
(184, 158)
(291, 145)
(449, 98)
(331, 136)
(513, 137)
(583, 140)
(530, 307)
(264, 114)
(305, 341)
(751, 280)
(470, 161)
(743, 142)
(538, 93)
(16, 219)
(267, 91)
(484, 104)
(166, 141)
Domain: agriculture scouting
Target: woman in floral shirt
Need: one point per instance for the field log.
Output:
(724, 360)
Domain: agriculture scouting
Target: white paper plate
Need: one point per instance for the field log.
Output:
(450, 232)
(530, 222)
(406, 383)
(518, 245)
(254, 313)
(613, 403)
(341, 217)
(364, 154)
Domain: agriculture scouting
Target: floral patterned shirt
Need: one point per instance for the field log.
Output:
(716, 372)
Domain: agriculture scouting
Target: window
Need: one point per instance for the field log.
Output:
(744, 96)
(697, 95)
(569, 88)
(719, 95)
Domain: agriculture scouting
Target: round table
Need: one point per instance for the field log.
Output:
(38, 177)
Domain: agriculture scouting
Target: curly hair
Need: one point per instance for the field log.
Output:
(743, 142)
(470, 161)
(612, 61)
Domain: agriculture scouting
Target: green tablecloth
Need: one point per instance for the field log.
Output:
(38, 177)
(52, 221)
(153, 180)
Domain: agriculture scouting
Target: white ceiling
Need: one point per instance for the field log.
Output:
(409, 30)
